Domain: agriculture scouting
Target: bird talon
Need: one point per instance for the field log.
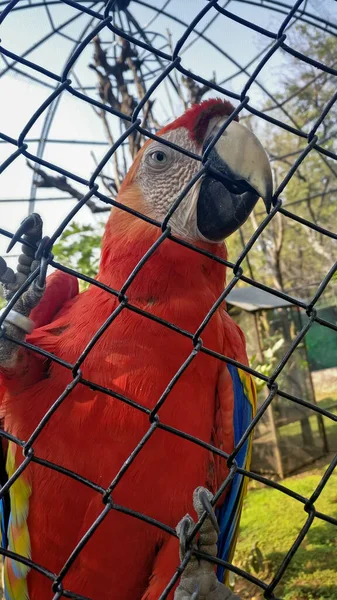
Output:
(30, 233)
(196, 592)
(43, 255)
(30, 230)
(208, 508)
(184, 528)
(42, 247)
(16, 322)
(41, 280)
(198, 580)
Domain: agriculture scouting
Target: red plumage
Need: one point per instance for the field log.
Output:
(196, 119)
(93, 434)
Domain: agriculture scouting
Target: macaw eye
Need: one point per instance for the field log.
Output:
(158, 158)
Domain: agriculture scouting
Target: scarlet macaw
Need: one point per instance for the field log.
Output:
(93, 433)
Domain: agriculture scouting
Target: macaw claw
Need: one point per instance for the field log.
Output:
(30, 231)
(40, 256)
(184, 529)
(209, 509)
(17, 322)
(195, 595)
(199, 581)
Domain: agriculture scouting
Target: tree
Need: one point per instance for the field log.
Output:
(288, 255)
(79, 248)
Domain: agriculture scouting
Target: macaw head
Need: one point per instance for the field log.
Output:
(222, 199)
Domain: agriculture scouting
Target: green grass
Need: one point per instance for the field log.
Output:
(274, 520)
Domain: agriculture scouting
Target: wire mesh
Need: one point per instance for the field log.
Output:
(165, 64)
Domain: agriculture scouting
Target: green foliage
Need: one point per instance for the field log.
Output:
(289, 255)
(271, 522)
(266, 368)
(78, 248)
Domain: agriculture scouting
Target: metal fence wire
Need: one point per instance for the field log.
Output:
(170, 62)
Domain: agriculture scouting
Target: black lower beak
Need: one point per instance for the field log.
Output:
(227, 196)
(220, 211)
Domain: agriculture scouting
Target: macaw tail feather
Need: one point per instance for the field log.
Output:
(229, 513)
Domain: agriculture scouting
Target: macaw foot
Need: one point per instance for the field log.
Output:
(199, 581)
(17, 323)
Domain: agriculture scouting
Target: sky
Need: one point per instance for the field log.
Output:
(75, 120)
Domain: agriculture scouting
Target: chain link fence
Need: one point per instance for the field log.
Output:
(169, 63)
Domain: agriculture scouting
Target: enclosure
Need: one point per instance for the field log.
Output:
(286, 438)
(84, 84)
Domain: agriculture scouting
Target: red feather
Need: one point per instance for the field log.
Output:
(93, 433)
(197, 118)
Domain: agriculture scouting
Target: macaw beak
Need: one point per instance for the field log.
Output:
(239, 174)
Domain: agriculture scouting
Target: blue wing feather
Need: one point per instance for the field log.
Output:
(229, 513)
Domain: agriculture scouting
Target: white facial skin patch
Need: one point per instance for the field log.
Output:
(163, 174)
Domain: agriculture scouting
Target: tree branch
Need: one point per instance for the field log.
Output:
(61, 183)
